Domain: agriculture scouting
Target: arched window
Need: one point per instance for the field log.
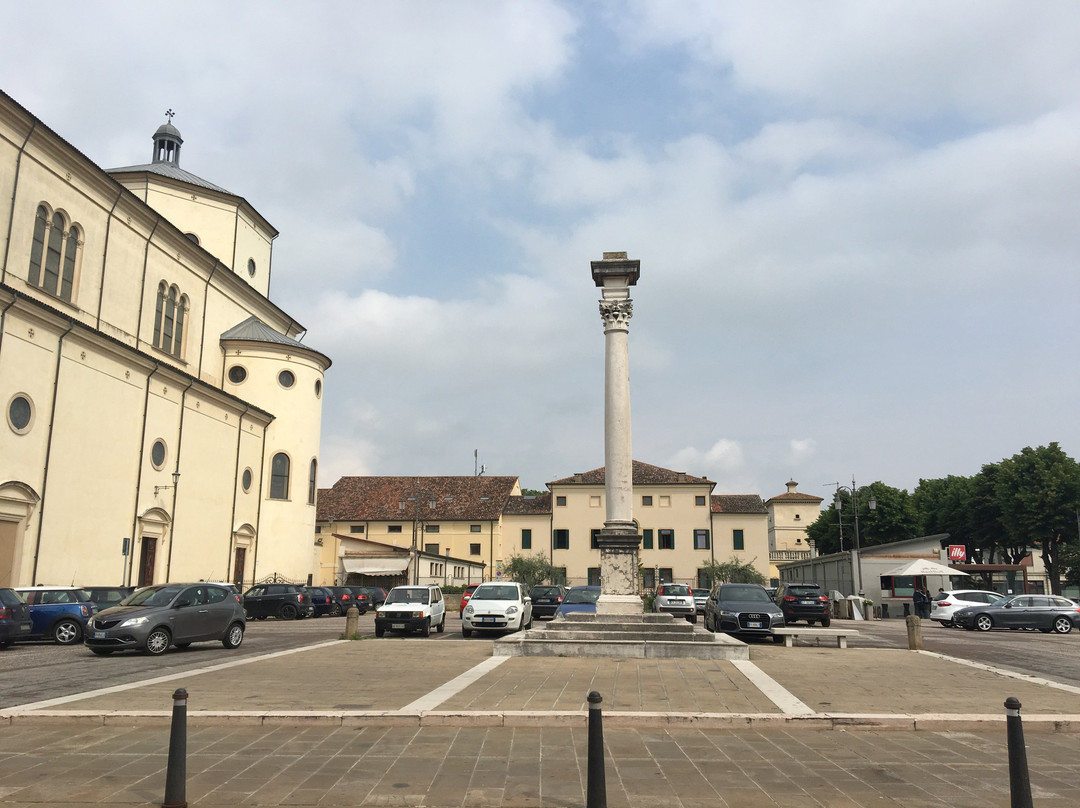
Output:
(169, 320)
(312, 475)
(54, 254)
(279, 476)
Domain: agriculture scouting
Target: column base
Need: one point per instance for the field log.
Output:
(619, 604)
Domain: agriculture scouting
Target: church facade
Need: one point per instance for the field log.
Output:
(161, 415)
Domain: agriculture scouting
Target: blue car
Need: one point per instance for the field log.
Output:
(579, 599)
(57, 612)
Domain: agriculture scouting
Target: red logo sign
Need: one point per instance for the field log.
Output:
(957, 552)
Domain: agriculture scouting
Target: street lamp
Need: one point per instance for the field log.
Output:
(415, 498)
(856, 557)
(175, 482)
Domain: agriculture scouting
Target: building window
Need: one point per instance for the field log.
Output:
(432, 549)
(701, 501)
(54, 254)
(647, 501)
(665, 501)
(593, 536)
(318, 388)
(474, 549)
(594, 502)
(237, 374)
(646, 539)
(474, 528)
(318, 529)
(393, 528)
(279, 476)
(313, 474)
(666, 575)
(158, 454)
(286, 379)
(701, 539)
(562, 539)
(666, 537)
(737, 539)
(648, 580)
(20, 414)
(559, 576)
(431, 528)
(251, 267)
(526, 538)
(594, 576)
(245, 480)
(356, 528)
(169, 320)
(560, 501)
(703, 580)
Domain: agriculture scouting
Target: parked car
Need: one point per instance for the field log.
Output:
(347, 597)
(675, 599)
(577, 599)
(376, 595)
(946, 604)
(57, 612)
(498, 605)
(466, 593)
(157, 617)
(411, 608)
(105, 596)
(15, 622)
(700, 596)
(802, 601)
(743, 610)
(323, 601)
(284, 601)
(546, 599)
(1044, 612)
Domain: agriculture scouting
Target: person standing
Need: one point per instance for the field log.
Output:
(918, 599)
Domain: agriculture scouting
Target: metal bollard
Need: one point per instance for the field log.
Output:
(597, 785)
(1019, 779)
(352, 622)
(176, 774)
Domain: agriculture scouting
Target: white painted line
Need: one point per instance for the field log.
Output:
(1025, 677)
(454, 686)
(771, 689)
(104, 691)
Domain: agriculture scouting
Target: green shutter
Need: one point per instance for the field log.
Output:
(526, 538)
(737, 539)
(646, 539)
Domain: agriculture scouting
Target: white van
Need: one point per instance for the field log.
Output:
(411, 608)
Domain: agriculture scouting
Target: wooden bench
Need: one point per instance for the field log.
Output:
(789, 633)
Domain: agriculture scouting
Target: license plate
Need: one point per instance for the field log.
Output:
(397, 625)
(807, 602)
(99, 635)
(487, 619)
(753, 625)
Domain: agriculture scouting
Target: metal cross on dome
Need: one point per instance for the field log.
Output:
(169, 114)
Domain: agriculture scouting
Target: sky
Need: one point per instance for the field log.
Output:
(856, 222)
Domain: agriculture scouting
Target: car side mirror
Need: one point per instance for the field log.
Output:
(181, 603)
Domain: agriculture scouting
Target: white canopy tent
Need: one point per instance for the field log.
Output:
(375, 566)
(922, 566)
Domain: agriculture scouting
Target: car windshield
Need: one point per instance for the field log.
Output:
(675, 589)
(9, 598)
(152, 596)
(496, 592)
(407, 595)
(744, 594)
(582, 596)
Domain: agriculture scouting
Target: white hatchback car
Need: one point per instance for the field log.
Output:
(945, 604)
(411, 608)
(497, 605)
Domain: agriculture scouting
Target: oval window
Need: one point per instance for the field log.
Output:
(157, 454)
(237, 374)
(20, 413)
(286, 378)
(318, 388)
(251, 267)
(245, 480)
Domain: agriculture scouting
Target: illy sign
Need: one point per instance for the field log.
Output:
(957, 552)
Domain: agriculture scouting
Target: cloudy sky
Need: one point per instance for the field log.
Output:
(857, 222)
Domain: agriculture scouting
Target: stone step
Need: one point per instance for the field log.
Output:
(642, 635)
(564, 625)
(521, 644)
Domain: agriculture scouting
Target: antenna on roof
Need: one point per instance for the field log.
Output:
(477, 469)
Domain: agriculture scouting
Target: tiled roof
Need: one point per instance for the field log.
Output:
(355, 499)
(795, 497)
(528, 506)
(737, 503)
(643, 474)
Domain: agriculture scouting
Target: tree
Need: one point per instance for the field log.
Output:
(733, 572)
(532, 492)
(1039, 495)
(893, 519)
(529, 570)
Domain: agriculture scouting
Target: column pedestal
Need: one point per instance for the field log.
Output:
(619, 578)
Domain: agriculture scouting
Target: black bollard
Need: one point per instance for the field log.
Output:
(597, 785)
(176, 774)
(1019, 780)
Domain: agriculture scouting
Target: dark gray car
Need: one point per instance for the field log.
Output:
(744, 610)
(156, 617)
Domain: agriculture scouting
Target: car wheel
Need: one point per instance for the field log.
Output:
(425, 631)
(157, 642)
(945, 623)
(778, 638)
(5, 644)
(234, 636)
(692, 619)
(288, 612)
(808, 622)
(336, 610)
(983, 622)
(442, 624)
(379, 631)
(101, 651)
(708, 625)
(825, 622)
(1062, 625)
(67, 632)
(466, 632)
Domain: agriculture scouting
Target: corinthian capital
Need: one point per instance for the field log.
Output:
(616, 313)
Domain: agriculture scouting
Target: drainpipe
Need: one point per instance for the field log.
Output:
(206, 294)
(48, 446)
(145, 266)
(3, 314)
(236, 476)
(139, 474)
(105, 256)
(491, 544)
(258, 510)
(14, 191)
(176, 486)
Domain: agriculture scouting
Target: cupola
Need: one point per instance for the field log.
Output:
(167, 142)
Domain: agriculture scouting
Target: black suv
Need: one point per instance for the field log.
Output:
(285, 601)
(802, 601)
(546, 600)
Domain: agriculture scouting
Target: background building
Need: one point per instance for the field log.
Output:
(789, 515)
(162, 416)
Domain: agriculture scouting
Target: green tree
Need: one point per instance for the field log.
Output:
(529, 570)
(1039, 495)
(734, 572)
(531, 492)
(893, 519)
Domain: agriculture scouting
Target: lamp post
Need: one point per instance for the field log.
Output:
(856, 553)
(415, 498)
(175, 482)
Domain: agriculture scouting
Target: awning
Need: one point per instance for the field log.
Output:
(923, 567)
(376, 566)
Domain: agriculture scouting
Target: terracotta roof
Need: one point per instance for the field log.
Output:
(643, 474)
(737, 503)
(528, 506)
(354, 499)
(795, 497)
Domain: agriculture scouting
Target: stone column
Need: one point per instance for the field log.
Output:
(619, 539)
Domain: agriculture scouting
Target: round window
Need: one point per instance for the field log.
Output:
(20, 413)
(318, 388)
(157, 454)
(286, 378)
(251, 267)
(237, 374)
(245, 480)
